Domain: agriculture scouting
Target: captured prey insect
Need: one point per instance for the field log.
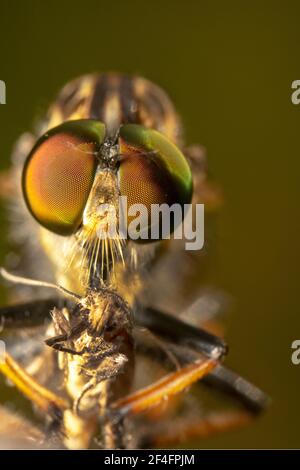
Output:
(115, 367)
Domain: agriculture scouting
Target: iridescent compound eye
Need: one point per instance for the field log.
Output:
(152, 169)
(59, 173)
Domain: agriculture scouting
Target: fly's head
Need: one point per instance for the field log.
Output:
(83, 186)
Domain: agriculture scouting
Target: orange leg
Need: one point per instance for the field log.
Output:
(190, 427)
(168, 386)
(180, 430)
(46, 400)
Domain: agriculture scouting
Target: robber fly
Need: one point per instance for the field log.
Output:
(117, 359)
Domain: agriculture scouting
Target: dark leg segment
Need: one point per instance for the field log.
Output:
(28, 314)
(177, 331)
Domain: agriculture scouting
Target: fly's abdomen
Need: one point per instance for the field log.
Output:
(116, 99)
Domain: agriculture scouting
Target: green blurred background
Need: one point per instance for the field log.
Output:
(229, 68)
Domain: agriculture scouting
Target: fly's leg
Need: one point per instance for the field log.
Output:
(44, 399)
(15, 431)
(177, 331)
(28, 314)
(166, 387)
(155, 394)
(187, 341)
(165, 325)
(183, 429)
(229, 382)
(220, 378)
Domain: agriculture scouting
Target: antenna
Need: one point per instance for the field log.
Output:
(33, 282)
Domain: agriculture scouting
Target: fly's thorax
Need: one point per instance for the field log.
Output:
(116, 99)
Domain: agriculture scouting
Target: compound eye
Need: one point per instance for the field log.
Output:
(152, 170)
(59, 173)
